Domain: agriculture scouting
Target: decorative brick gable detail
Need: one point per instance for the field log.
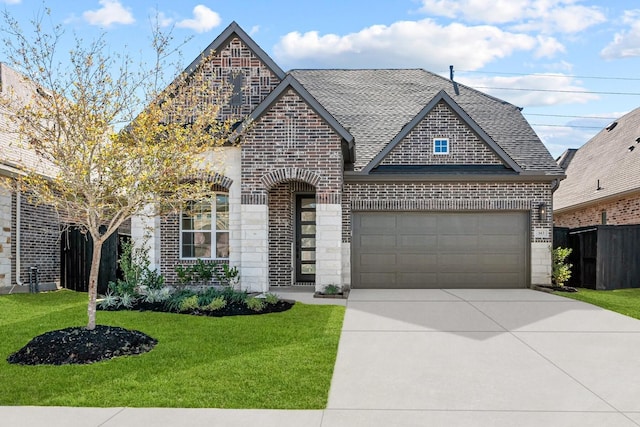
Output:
(222, 182)
(622, 211)
(465, 148)
(437, 196)
(258, 80)
(291, 142)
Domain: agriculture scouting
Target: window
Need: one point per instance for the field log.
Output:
(203, 224)
(441, 146)
(603, 217)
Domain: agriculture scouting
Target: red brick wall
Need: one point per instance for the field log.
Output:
(39, 242)
(622, 211)
(465, 148)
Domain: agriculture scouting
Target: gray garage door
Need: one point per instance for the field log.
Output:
(440, 250)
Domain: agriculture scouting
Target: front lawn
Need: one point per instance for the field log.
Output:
(278, 360)
(624, 301)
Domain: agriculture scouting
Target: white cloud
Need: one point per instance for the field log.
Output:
(548, 47)
(164, 20)
(112, 12)
(254, 30)
(534, 89)
(204, 19)
(11, 1)
(548, 16)
(625, 44)
(405, 44)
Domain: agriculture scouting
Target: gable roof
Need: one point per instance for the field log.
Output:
(291, 82)
(375, 106)
(234, 30)
(610, 159)
(442, 97)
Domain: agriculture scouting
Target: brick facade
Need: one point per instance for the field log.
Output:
(464, 146)
(621, 211)
(231, 61)
(447, 196)
(39, 242)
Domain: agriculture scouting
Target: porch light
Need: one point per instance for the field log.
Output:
(542, 211)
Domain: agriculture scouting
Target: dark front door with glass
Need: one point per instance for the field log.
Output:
(305, 238)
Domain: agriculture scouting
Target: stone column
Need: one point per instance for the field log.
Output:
(254, 241)
(328, 245)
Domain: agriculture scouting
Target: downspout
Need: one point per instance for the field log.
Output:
(18, 227)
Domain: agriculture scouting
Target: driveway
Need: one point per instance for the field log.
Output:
(483, 358)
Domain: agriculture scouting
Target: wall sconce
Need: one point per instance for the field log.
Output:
(542, 211)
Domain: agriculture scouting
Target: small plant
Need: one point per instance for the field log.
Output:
(271, 299)
(561, 272)
(216, 304)
(156, 295)
(127, 300)
(255, 304)
(189, 303)
(185, 274)
(332, 289)
(109, 301)
(227, 276)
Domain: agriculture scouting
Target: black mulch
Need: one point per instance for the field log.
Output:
(231, 309)
(78, 345)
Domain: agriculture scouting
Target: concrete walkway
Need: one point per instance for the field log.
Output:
(443, 358)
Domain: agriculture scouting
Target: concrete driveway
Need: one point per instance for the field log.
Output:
(483, 358)
(441, 358)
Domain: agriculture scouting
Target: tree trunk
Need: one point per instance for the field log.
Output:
(93, 283)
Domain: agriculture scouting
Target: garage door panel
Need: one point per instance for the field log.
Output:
(378, 241)
(431, 250)
(426, 242)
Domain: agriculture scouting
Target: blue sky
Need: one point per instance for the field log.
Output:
(571, 64)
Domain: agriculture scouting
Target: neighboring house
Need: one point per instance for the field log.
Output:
(29, 235)
(603, 178)
(392, 178)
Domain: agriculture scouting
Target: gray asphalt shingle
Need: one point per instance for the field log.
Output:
(606, 158)
(374, 105)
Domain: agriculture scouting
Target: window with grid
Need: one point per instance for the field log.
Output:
(204, 229)
(441, 146)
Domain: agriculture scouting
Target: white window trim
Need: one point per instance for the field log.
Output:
(441, 153)
(214, 232)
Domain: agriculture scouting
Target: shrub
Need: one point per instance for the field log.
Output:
(255, 304)
(215, 304)
(332, 289)
(271, 299)
(174, 302)
(109, 301)
(128, 300)
(561, 272)
(227, 276)
(156, 295)
(189, 303)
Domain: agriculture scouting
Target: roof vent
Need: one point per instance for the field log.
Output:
(611, 126)
(638, 140)
(632, 147)
(598, 186)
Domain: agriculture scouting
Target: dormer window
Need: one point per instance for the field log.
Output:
(441, 146)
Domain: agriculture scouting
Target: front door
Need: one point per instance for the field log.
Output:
(305, 238)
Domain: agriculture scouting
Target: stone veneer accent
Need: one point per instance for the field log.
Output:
(465, 148)
(620, 211)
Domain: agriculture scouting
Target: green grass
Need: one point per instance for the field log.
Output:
(278, 360)
(624, 301)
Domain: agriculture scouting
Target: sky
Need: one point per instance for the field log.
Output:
(572, 65)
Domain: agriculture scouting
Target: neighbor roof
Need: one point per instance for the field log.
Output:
(374, 105)
(610, 159)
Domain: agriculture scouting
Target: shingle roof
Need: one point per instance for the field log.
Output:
(607, 158)
(374, 105)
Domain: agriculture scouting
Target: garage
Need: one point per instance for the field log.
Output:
(440, 250)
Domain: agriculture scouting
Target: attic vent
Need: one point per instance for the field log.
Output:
(638, 140)
(631, 147)
(611, 126)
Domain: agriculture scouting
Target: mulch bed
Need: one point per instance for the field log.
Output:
(78, 345)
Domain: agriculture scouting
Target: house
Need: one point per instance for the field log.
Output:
(29, 234)
(603, 178)
(369, 178)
